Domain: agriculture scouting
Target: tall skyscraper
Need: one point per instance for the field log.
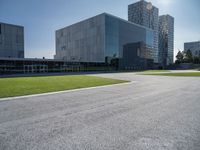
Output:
(166, 40)
(11, 41)
(145, 14)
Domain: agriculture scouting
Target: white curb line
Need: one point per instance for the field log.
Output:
(65, 91)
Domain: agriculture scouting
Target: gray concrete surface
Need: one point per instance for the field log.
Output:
(154, 113)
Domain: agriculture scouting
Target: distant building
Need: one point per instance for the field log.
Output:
(11, 41)
(101, 39)
(194, 47)
(145, 14)
(166, 40)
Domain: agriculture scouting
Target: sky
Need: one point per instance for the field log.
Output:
(41, 18)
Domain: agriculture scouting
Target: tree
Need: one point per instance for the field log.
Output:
(179, 57)
(186, 57)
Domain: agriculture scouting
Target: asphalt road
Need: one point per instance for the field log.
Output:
(153, 112)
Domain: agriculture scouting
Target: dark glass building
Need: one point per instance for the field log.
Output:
(145, 14)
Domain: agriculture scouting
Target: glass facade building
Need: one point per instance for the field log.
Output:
(101, 39)
(145, 14)
(166, 40)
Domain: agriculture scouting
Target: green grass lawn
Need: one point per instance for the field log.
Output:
(181, 74)
(19, 86)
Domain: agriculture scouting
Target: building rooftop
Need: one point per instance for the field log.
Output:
(192, 42)
(107, 15)
(11, 24)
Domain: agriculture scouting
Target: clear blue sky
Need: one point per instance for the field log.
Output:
(41, 18)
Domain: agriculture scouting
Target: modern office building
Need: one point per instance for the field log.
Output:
(11, 41)
(101, 39)
(103, 42)
(166, 40)
(145, 14)
(194, 47)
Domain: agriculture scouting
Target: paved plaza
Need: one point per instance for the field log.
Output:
(150, 113)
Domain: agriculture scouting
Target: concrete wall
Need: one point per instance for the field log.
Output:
(83, 41)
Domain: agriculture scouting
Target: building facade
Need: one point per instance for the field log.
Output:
(133, 57)
(11, 41)
(166, 40)
(35, 65)
(194, 47)
(145, 14)
(101, 39)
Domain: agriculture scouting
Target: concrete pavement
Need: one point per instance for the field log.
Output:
(153, 112)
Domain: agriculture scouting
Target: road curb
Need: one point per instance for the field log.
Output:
(65, 91)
